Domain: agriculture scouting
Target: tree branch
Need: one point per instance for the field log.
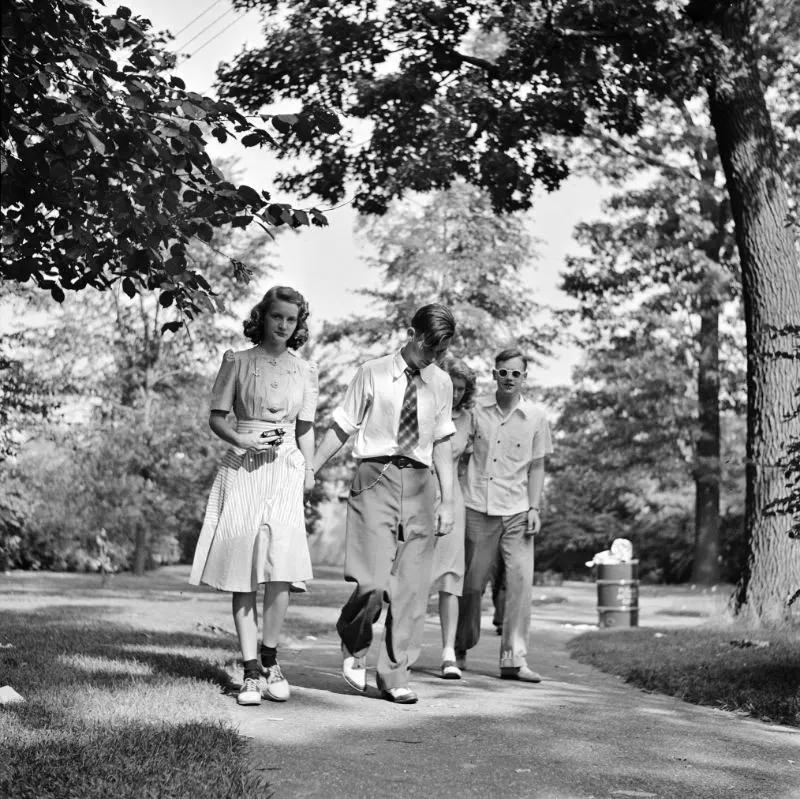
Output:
(482, 63)
(639, 155)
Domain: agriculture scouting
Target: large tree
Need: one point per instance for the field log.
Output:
(669, 240)
(106, 177)
(441, 105)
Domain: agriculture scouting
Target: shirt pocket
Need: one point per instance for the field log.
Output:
(517, 451)
(480, 447)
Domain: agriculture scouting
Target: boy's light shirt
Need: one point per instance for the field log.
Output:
(503, 448)
(371, 408)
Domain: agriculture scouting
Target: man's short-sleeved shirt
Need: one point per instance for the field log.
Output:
(503, 448)
(373, 401)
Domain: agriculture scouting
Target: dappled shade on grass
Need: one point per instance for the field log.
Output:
(726, 668)
(115, 711)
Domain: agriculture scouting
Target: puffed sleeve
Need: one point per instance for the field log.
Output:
(310, 393)
(350, 413)
(224, 392)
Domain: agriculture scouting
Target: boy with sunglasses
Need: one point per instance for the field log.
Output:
(505, 476)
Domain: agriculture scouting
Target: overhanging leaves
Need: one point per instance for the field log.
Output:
(105, 172)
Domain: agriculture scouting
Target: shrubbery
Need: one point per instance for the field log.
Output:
(663, 542)
(79, 499)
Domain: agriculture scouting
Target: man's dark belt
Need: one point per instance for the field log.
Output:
(400, 461)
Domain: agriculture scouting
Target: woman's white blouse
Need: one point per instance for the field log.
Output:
(254, 385)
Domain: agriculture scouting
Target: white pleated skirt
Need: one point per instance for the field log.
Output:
(254, 527)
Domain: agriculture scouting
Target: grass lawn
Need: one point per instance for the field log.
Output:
(756, 673)
(113, 710)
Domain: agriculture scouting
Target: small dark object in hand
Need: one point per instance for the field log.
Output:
(276, 434)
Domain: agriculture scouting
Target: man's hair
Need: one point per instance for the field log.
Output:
(435, 323)
(507, 355)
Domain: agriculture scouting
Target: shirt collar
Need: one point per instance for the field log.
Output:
(399, 366)
(524, 406)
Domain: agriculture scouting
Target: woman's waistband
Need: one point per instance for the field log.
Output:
(260, 425)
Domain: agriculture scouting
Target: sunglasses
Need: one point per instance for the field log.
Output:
(506, 372)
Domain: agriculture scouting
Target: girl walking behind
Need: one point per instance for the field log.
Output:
(254, 528)
(448, 553)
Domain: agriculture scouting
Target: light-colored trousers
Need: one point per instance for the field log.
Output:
(388, 554)
(485, 537)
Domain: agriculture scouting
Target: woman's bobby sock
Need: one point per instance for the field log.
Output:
(251, 669)
(269, 655)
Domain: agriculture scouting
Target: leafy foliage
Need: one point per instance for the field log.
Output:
(450, 247)
(623, 460)
(97, 489)
(476, 90)
(118, 478)
(24, 396)
(666, 249)
(106, 178)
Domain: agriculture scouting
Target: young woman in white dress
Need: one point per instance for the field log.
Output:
(448, 556)
(254, 528)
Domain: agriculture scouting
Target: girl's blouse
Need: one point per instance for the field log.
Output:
(254, 385)
(461, 438)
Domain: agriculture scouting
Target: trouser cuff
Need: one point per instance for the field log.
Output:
(509, 660)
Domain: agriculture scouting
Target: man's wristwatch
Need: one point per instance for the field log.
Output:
(533, 507)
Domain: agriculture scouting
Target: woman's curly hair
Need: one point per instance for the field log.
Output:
(455, 367)
(254, 324)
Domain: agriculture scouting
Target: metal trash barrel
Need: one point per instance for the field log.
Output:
(618, 594)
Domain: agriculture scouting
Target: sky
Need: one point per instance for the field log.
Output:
(326, 264)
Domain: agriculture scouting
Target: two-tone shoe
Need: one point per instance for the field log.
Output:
(521, 673)
(354, 671)
(450, 670)
(274, 685)
(400, 696)
(250, 692)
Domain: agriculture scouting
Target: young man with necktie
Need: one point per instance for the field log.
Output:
(399, 408)
(505, 476)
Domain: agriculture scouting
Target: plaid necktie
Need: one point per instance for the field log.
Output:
(408, 430)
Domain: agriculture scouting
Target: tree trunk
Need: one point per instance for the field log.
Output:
(771, 289)
(705, 569)
(141, 544)
(140, 551)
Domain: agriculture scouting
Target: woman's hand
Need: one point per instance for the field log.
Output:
(309, 482)
(259, 443)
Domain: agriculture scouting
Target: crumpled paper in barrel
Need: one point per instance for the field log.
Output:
(621, 551)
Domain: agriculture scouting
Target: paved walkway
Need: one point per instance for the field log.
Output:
(580, 734)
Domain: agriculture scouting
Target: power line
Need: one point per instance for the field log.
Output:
(192, 21)
(203, 30)
(215, 36)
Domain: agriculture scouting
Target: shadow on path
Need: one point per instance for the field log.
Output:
(579, 734)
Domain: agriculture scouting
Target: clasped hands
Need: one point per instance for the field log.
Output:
(261, 442)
